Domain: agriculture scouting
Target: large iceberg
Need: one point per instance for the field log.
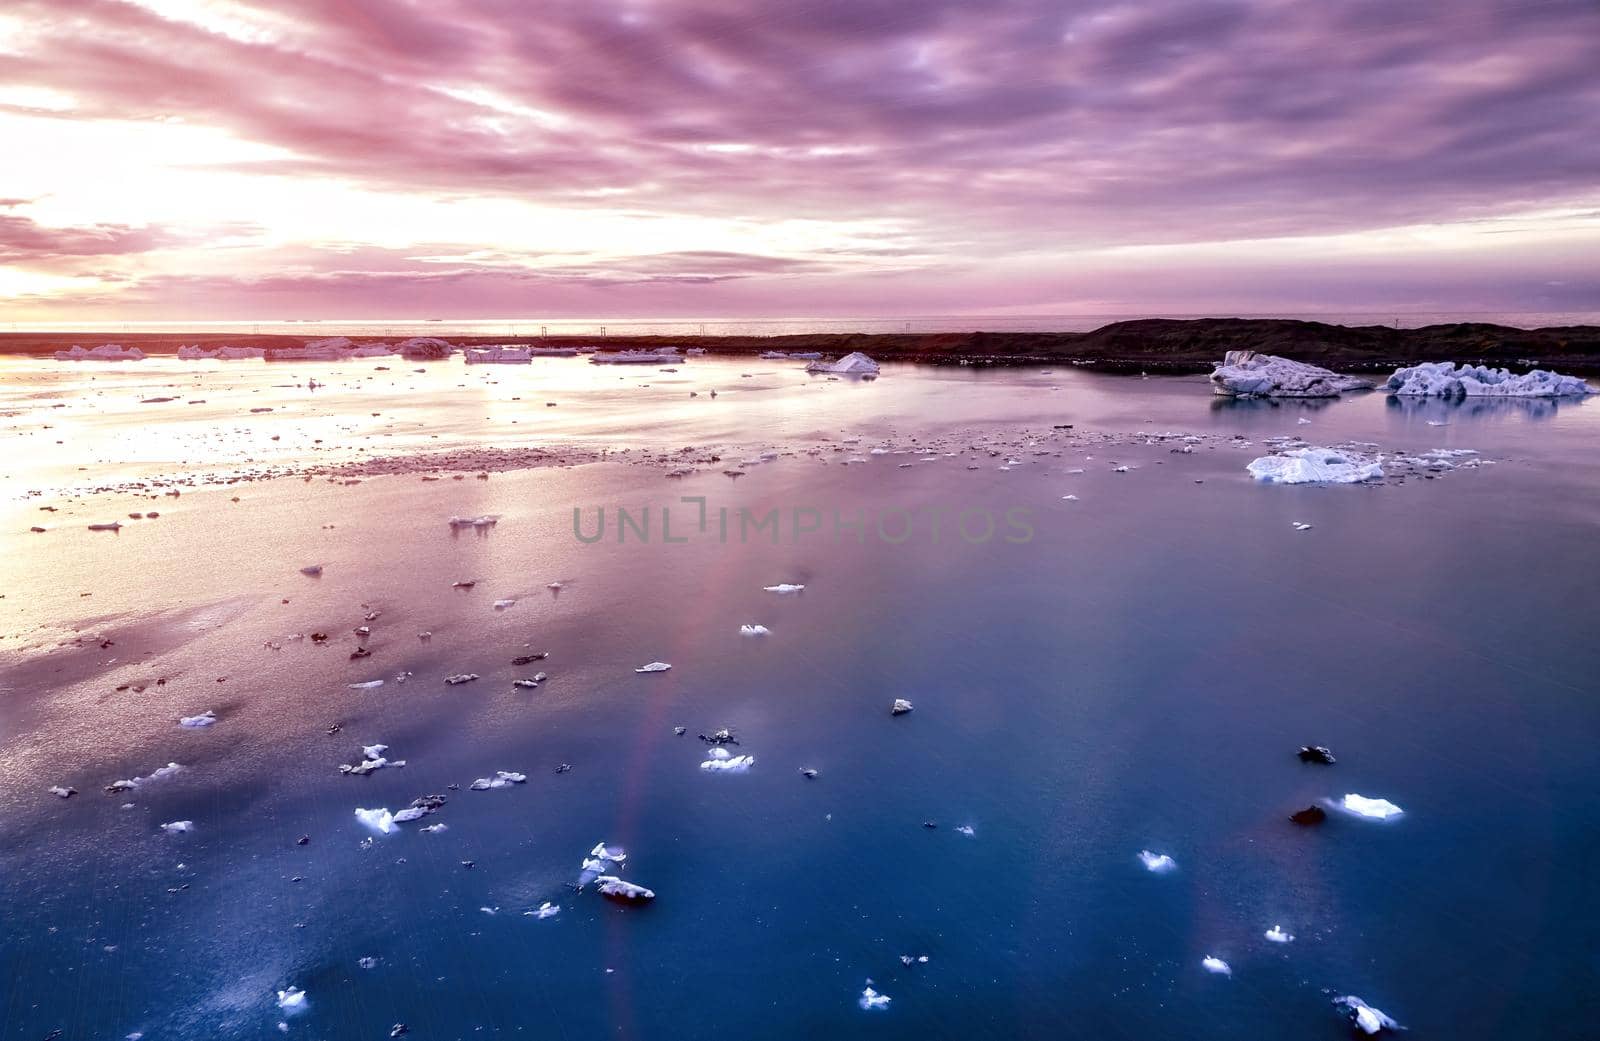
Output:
(1251, 375)
(224, 353)
(855, 364)
(104, 352)
(425, 348)
(1363, 1016)
(1441, 379)
(1315, 466)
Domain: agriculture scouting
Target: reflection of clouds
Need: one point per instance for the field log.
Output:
(1446, 410)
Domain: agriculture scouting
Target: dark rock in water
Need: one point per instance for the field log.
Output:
(1309, 815)
(720, 737)
(1316, 754)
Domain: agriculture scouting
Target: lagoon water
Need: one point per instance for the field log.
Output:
(1137, 675)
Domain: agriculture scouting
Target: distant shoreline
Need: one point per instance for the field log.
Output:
(1140, 345)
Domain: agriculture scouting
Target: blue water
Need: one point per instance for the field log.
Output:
(1137, 676)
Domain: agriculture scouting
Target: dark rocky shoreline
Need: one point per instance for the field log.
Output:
(1141, 345)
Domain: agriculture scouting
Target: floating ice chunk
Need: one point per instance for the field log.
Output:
(655, 666)
(312, 570)
(1363, 1016)
(783, 587)
(154, 775)
(1303, 421)
(1069, 498)
(754, 630)
(501, 779)
(113, 526)
(853, 364)
(1301, 526)
(380, 820)
(501, 605)
(61, 792)
(433, 828)
(1277, 935)
(611, 885)
(1248, 374)
(723, 761)
(1157, 862)
(900, 707)
(292, 1000)
(871, 999)
(204, 719)
(487, 520)
(966, 829)
(177, 827)
(1315, 466)
(1378, 809)
(1444, 380)
(367, 685)
(104, 352)
(410, 813)
(545, 910)
(460, 678)
(1216, 965)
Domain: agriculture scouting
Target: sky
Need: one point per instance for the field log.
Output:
(311, 159)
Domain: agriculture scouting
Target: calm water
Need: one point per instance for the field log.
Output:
(1137, 676)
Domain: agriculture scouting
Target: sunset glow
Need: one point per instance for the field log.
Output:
(208, 159)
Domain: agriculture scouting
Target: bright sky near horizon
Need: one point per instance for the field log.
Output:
(273, 159)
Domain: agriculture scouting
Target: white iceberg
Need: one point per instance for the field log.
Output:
(499, 355)
(783, 588)
(501, 779)
(1365, 1018)
(871, 999)
(723, 761)
(1377, 809)
(197, 353)
(292, 1000)
(154, 775)
(380, 820)
(1277, 935)
(754, 630)
(854, 364)
(900, 707)
(425, 348)
(1216, 965)
(1443, 380)
(546, 910)
(635, 357)
(204, 719)
(655, 666)
(1160, 863)
(104, 352)
(177, 827)
(611, 885)
(1247, 374)
(1316, 466)
(602, 860)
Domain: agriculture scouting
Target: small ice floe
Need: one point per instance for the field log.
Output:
(177, 827)
(311, 571)
(754, 630)
(611, 885)
(907, 959)
(1301, 526)
(432, 829)
(367, 685)
(808, 772)
(871, 999)
(63, 792)
(1211, 963)
(602, 860)
(1377, 809)
(545, 910)
(966, 829)
(1316, 754)
(460, 678)
(204, 719)
(372, 759)
(1363, 1016)
(1069, 498)
(784, 587)
(157, 774)
(900, 707)
(379, 820)
(1277, 935)
(501, 779)
(723, 761)
(527, 684)
(292, 999)
(502, 605)
(1157, 862)
(1303, 421)
(1315, 466)
(113, 526)
(485, 521)
(655, 666)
